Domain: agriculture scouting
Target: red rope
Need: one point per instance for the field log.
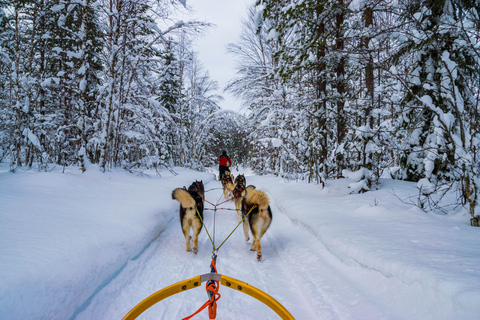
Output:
(224, 201)
(209, 202)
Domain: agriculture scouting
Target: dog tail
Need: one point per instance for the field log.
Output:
(185, 199)
(257, 197)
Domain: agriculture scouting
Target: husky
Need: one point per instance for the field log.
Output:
(256, 205)
(227, 183)
(238, 193)
(191, 207)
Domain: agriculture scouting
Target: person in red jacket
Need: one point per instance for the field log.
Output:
(224, 162)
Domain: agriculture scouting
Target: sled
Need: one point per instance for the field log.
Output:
(195, 283)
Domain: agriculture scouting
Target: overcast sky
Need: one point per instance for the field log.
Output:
(227, 15)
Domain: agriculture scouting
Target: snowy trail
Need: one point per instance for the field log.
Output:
(93, 245)
(320, 278)
(293, 266)
(167, 256)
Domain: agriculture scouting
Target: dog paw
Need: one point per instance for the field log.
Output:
(259, 256)
(195, 250)
(246, 239)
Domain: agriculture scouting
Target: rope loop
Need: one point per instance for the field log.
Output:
(212, 290)
(212, 287)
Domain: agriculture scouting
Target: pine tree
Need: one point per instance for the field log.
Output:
(437, 109)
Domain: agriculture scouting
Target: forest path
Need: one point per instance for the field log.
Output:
(295, 264)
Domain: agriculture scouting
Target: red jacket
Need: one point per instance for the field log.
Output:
(224, 161)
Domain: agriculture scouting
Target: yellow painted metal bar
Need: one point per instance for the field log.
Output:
(196, 281)
(257, 294)
(162, 294)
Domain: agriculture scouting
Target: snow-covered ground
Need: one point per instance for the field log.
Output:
(93, 245)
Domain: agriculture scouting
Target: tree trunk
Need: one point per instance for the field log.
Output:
(340, 46)
(369, 84)
(115, 23)
(16, 106)
(83, 91)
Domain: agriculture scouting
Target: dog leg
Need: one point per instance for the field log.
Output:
(188, 238)
(254, 245)
(257, 232)
(259, 249)
(195, 244)
(245, 229)
(186, 233)
(238, 204)
(197, 227)
(226, 193)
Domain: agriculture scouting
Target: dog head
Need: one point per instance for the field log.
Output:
(197, 186)
(240, 181)
(227, 177)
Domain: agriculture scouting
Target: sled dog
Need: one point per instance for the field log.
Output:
(190, 201)
(227, 183)
(256, 205)
(238, 193)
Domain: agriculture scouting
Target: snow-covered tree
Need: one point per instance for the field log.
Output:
(271, 121)
(439, 111)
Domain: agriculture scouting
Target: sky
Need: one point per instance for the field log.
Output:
(89, 246)
(227, 15)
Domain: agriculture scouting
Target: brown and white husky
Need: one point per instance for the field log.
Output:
(191, 209)
(227, 183)
(256, 205)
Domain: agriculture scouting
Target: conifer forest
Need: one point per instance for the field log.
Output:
(330, 88)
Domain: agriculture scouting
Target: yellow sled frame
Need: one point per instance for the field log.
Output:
(196, 281)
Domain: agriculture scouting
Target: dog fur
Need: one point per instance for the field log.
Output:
(238, 193)
(227, 184)
(241, 181)
(199, 187)
(190, 201)
(259, 219)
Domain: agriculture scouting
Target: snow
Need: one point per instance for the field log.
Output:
(356, 4)
(32, 138)
(82, 85)
(425, 186)
(427, 100)
(259, 15)
(93, 245)
(429, 162)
